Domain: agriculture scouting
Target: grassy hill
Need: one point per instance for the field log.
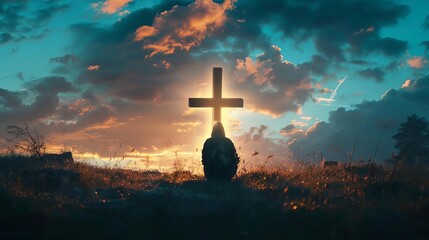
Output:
(68, 201)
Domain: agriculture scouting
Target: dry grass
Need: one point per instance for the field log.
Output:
(329, 202)
(357, 187)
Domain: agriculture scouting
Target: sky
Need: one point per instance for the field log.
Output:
(111, 79)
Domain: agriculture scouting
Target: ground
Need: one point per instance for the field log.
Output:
(68, 201)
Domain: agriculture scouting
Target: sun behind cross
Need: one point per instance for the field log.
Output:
(216, 102)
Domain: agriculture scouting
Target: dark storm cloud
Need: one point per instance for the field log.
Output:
(274, 86)
(126, 73)
(45, 13)
(18, 22)
(10, 99)
(50, 85)
(44, 104)
(374, 73)
(84, 112)
(318, 66)
(368, 121)
(98, 115)
(335, 26)
(358, 62)
(391, 47)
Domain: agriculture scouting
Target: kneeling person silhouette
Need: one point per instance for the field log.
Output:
(220, 158)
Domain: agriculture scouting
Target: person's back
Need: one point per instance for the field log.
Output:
(220, 158)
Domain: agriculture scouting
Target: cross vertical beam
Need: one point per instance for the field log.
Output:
(217, 93)
(216, 102)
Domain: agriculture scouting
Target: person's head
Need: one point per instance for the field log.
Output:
(218, 130)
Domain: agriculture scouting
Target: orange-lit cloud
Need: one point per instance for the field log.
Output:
(417, 62)
(93, 67)
(257, 71)
(407, 83)
(144, 32)
(299, 123)
(111, 6)
(183, 27)
(273, 85)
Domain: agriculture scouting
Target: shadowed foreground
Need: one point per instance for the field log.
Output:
(52, 201)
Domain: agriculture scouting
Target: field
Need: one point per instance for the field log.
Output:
(361, 201)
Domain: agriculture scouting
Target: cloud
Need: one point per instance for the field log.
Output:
(259, 72)
(391, 47)
(144, 32)
(257, 139)
(19, 22)
(110, 6)
(183, 27)
(374, 73)
(291, 130)
(318, 66)
(407, 83)
(45, 102)
(5, 38)
(299, 123)
(10, 99)
(93, 67)
(271, 84)
(50, 85)
(369, 121)
(333, 34)
(182, 40)
(417, 62)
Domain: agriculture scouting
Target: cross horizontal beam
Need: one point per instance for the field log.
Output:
(211, 102)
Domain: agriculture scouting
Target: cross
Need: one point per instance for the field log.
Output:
(216, 102)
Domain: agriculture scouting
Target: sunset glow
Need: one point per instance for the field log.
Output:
(110, 80)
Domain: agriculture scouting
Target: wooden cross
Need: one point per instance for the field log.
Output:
(216, 102)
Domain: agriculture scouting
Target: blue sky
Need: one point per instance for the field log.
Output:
(94, 75)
